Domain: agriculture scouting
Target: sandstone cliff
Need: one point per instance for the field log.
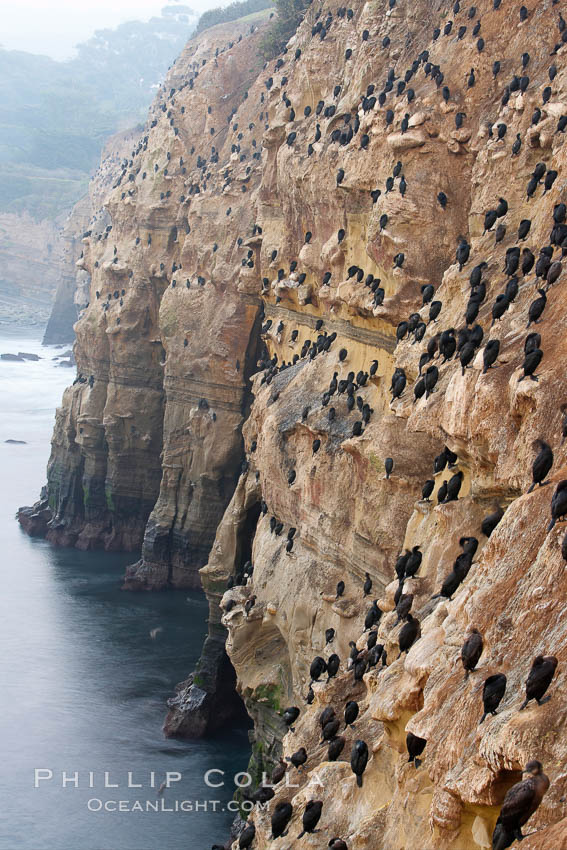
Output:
(156, 279)
(172, 341)
(73, 287)
(31, 263)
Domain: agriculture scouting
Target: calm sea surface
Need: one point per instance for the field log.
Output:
(83, 685)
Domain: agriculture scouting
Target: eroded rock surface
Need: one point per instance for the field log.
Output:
(169, 399)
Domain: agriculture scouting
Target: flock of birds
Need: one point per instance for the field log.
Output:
(522, 799)
(182, 162)
(522, 264)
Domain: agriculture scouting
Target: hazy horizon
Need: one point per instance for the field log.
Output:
(54, 27)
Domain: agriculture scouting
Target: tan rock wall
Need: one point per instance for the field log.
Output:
(169, 399)
(349, 519)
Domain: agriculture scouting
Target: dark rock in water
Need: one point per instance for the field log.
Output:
(237, 827)
(68, 353)
(65, 363)
(27, 356)
(16, 442)
(13, 358)
(34, 519)
(198, 710)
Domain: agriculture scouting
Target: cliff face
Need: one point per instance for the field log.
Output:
(31, 262)
(73, 288)
(163, 347)
(172, 341)
(350, 518)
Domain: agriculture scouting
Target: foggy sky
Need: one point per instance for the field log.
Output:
(53, 27)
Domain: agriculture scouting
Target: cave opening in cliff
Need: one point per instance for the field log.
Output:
(245, 539)
(172, 238)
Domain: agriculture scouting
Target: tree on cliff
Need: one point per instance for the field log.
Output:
(232, 12)
(290, 13)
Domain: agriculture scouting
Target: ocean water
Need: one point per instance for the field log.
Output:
(83, 685)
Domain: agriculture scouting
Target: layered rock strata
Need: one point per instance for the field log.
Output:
(350, 518)
(147, 442)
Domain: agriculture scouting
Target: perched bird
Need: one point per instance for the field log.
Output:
(463, 252)
(542, 464)
(512, 260)
(403, 607)
(336, 746)
(373, 616)
(281, 816)
(333, 664)
(553, 272)
(536, 308)
(326, 716)
(427, 490)
(442, 493)
(502, 208)
(318, 667)
(415, 746)
(550, 179)
(493, 691)
(376, 653)
(398, 383)
(289, 716)
(466, 355)
(490, 522)
(430, 379)
(388, 466)
(490, 354)
(499, 307)
(400, 567)
(434, 310)
(520, 802)
(413, 562)
(247, 836)
(249, 604)
(311, 817)
(447, 344)
(530, 364)
(524, 228)
(359, 760)
(558, 504)
(454, 486)
(351, 712)
(279, 772)
(471, 651)
(490, 219)
(539, 679)
(528, 261)
(409, 633)
(298, 758)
